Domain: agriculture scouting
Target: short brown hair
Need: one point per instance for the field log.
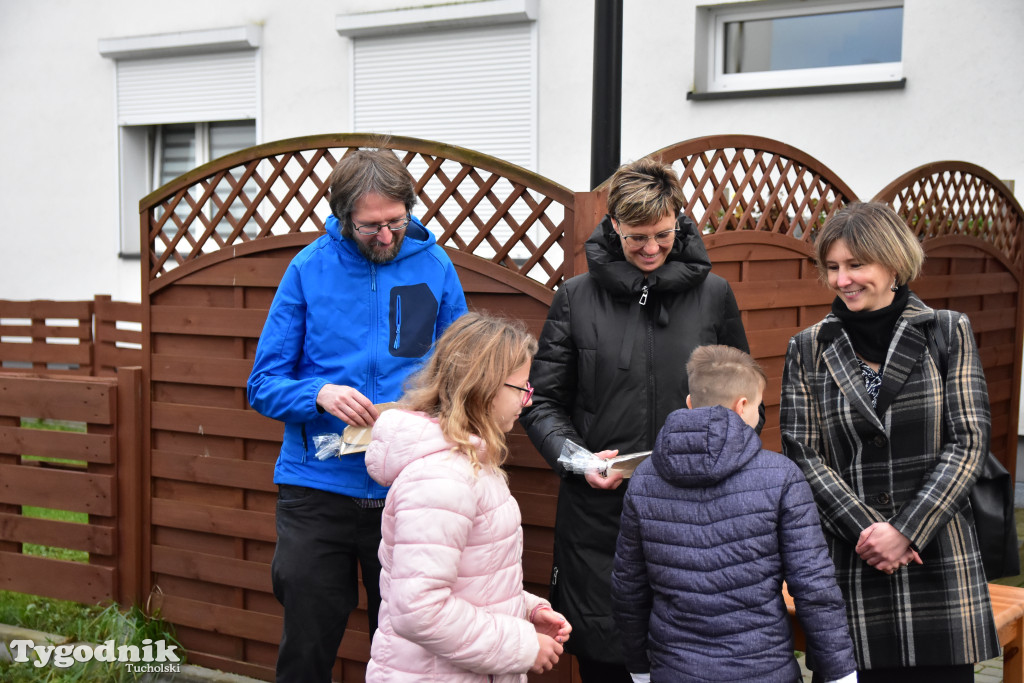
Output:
(644, 192)
(873, 233)
(368, 171)
(719, 375)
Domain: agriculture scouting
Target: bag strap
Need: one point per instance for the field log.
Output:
(938, 346)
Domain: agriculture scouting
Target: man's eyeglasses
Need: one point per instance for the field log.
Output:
(527, 391)
(373, 228)
(664, 238)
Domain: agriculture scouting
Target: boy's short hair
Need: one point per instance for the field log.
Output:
(719, 375)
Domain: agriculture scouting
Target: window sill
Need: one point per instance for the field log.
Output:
(801, 90)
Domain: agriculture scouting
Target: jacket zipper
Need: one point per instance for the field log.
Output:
(373, 333)
(305, 443)
(398, 321)
(643, 296)
(652, 429)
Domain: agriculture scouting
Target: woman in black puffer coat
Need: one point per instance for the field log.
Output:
(610, 368)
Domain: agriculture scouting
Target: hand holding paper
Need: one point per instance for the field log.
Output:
(354, 439)
(579, 460)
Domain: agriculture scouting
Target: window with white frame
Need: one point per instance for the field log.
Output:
(809, 44)
(177, 148)
(183, 99)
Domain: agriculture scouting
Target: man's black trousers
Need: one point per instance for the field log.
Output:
(321, 536)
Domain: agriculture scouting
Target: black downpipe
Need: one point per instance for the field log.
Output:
(606, 126)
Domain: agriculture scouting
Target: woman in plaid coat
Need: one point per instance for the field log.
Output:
(891, 446)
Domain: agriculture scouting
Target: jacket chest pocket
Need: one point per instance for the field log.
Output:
(412, 315)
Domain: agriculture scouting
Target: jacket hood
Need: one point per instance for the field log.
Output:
(687, 264)
(417, 238)
(401, 437)
(702, 446)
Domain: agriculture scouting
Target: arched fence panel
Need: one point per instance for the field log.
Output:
(219, 240)
(745, 182)
(972, 228)
(957, 198)
(470, 201)
(778, 294)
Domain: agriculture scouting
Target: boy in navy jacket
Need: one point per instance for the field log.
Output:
(712, 525)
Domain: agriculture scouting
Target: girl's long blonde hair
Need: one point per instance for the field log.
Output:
(469, 365)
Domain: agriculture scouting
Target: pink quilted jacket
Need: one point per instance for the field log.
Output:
(453, 608)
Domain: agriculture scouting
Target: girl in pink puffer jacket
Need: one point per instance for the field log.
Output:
(453, 605)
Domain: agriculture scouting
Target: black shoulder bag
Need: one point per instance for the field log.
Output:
(992, 495)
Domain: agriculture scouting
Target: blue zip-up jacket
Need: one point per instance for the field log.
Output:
(337, 318)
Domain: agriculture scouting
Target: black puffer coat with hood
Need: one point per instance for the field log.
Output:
(610, 368)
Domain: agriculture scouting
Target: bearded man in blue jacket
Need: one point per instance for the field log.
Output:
(357, 312)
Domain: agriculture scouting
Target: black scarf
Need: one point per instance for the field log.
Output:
(871, 331)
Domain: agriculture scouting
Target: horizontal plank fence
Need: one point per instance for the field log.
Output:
(90, 338)
(178, 484)
(72, 445)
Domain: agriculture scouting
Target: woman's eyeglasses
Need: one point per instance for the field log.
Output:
(664, 238)
(527, 391)
(373, 228)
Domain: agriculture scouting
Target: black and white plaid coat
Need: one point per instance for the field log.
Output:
(910, 461)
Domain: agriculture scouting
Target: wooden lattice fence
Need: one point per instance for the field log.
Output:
(971, 228)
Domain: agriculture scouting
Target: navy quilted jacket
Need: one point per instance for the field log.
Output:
(711, 527)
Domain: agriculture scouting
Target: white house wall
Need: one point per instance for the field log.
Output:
(964, 99)
(964, 95)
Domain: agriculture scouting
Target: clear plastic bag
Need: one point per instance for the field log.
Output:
(577, 459)
(327, 446)
(353, 440)
(335, 446)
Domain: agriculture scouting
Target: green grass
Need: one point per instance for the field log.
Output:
(56, 426)
(45, 513)
(51, 552)
(79, 623)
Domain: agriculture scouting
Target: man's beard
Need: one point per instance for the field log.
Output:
(378, 254)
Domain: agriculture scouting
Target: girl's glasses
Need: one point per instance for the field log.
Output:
(527, 391)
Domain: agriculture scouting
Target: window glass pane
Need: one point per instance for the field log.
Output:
(177, 150)
(816, 40)
(230, 136)
(227, 137)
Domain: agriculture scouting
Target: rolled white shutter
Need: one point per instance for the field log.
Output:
(472, 87)
(217, 86)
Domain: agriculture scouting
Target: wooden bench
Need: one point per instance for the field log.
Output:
(1008, 609)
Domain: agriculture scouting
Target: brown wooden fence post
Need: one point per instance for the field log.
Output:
(131, 489)
(590, 208)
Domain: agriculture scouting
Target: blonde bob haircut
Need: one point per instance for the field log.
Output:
(469, 365)
(643, 192)
(873, 233)
(720, 375)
